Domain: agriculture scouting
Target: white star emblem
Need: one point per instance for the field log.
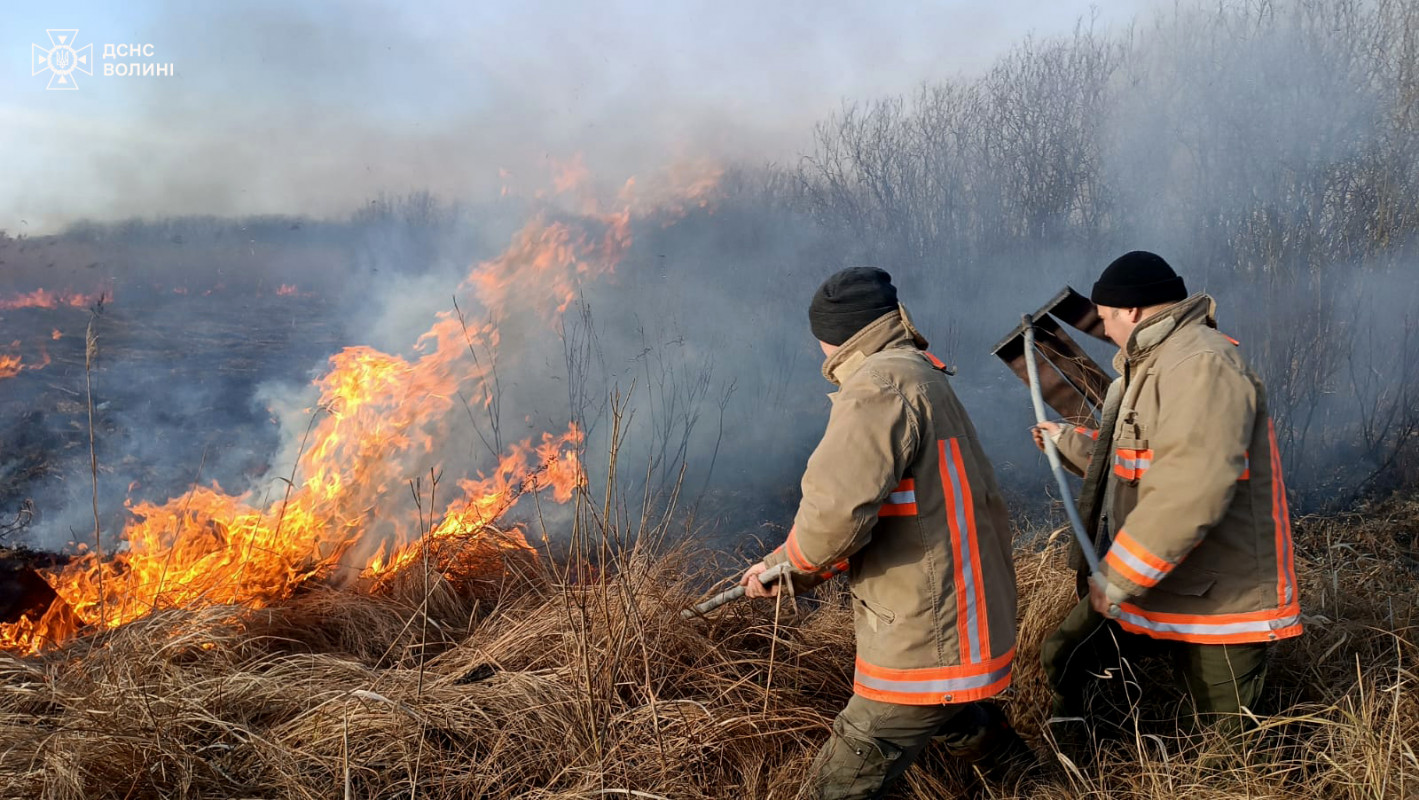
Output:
(62, 60)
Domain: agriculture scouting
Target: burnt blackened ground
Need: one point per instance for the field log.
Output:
(174, 384)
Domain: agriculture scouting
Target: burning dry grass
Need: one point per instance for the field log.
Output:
(543, 686)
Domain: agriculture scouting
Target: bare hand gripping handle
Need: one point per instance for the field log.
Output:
(731, 595)
(768, 577)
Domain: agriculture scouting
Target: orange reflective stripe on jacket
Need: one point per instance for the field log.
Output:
(1135, 562)
(827, 573)
(972, 627)
(1281, 515)
(795, 554)
(1130, 464)
(901, 502)
(1089, 432)
(929, 686)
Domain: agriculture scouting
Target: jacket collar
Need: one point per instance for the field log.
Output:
(891, 330)
(1151, 332)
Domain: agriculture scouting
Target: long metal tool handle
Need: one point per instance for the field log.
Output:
(767, 577)
(1052, 453)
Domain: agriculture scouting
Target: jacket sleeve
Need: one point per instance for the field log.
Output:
(865, 450)
(1198, 451)
(1076, 446)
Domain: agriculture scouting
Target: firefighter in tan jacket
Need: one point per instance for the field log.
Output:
(900, 493)
(1184, 497)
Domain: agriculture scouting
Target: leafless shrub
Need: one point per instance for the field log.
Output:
(1269, 149)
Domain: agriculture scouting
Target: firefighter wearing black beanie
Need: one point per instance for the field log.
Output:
(1181, 475)
(882, 499)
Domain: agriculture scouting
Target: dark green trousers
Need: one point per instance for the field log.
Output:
(1219, 679)
(873, 743)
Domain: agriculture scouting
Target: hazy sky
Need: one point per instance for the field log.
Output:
(278, 107)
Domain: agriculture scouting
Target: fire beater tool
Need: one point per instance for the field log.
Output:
(1076, 524)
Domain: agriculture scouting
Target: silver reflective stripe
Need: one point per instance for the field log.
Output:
(933, 686)
(963, 552)
(1121, 553)
(1132, 463)
(902, 497)
(1210, 628)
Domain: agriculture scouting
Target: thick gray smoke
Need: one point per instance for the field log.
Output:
(311, 109)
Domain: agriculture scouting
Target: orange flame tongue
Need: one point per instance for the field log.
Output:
(43, 298)
(555, 464)
(12, 364)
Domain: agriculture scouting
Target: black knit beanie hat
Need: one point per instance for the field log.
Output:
(1138, 279)
(850, 301)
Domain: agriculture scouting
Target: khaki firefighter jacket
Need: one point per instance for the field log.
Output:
(900, 489)
(1197, 515)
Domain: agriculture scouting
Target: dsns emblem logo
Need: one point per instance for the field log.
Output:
(61, 59)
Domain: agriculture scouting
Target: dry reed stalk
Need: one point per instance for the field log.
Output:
(91, 351)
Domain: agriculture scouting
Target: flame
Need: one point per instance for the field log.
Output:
(56, 335)
(556, 253)
(686, 185)
(554, 464)
(571, 176)
(12, 364)
(43, 298)
(55, 625)
(349, 515)
(287, 290)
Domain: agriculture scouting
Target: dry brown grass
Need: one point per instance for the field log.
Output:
(543, 688)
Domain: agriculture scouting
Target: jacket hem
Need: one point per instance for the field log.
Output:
(1267, 625)
(923, 686)
(932, 699)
